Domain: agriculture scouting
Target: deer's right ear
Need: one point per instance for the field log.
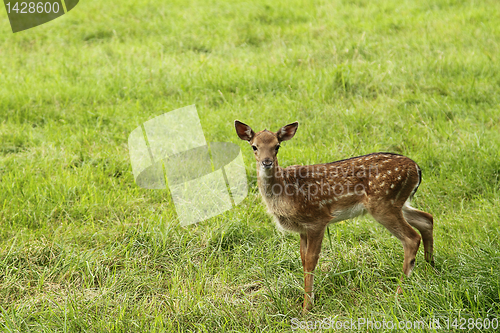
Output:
(243, 130)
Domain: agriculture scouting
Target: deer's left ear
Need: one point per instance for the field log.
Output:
(287, 132)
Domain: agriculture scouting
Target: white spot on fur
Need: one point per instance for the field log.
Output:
(346, 195)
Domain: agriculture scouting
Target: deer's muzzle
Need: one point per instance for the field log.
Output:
(267, 163)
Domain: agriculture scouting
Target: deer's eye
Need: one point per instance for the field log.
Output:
(254, 148)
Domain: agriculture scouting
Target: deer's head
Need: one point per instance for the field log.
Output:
(265, 144)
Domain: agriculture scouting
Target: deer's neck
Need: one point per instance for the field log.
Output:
(270, 181)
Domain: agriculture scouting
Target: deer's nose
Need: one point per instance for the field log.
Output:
(267, 163)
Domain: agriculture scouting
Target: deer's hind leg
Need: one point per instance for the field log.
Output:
(424, 223)
(392, 218)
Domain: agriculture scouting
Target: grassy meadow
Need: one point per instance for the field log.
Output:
(84, 249)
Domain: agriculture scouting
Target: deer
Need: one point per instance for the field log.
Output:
(306, 198)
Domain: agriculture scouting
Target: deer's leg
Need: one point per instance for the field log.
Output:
(424, 223)
(392, 218)
(303, 249)
(314, 240)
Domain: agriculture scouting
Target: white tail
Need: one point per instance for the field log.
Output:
(305, 199)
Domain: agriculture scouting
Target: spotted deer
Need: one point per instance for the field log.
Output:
(306, 198)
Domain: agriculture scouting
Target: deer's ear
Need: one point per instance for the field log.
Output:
(244, 131)
(287, 132)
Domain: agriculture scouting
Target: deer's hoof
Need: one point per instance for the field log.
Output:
(308, 303)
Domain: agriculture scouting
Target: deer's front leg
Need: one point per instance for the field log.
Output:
(313, 241)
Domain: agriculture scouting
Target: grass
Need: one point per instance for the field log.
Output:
(82, 248)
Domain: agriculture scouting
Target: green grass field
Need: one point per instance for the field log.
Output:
(84, 249)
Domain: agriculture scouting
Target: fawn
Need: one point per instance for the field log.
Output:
(306, 198)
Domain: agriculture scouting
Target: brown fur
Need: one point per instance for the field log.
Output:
(305, 199)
